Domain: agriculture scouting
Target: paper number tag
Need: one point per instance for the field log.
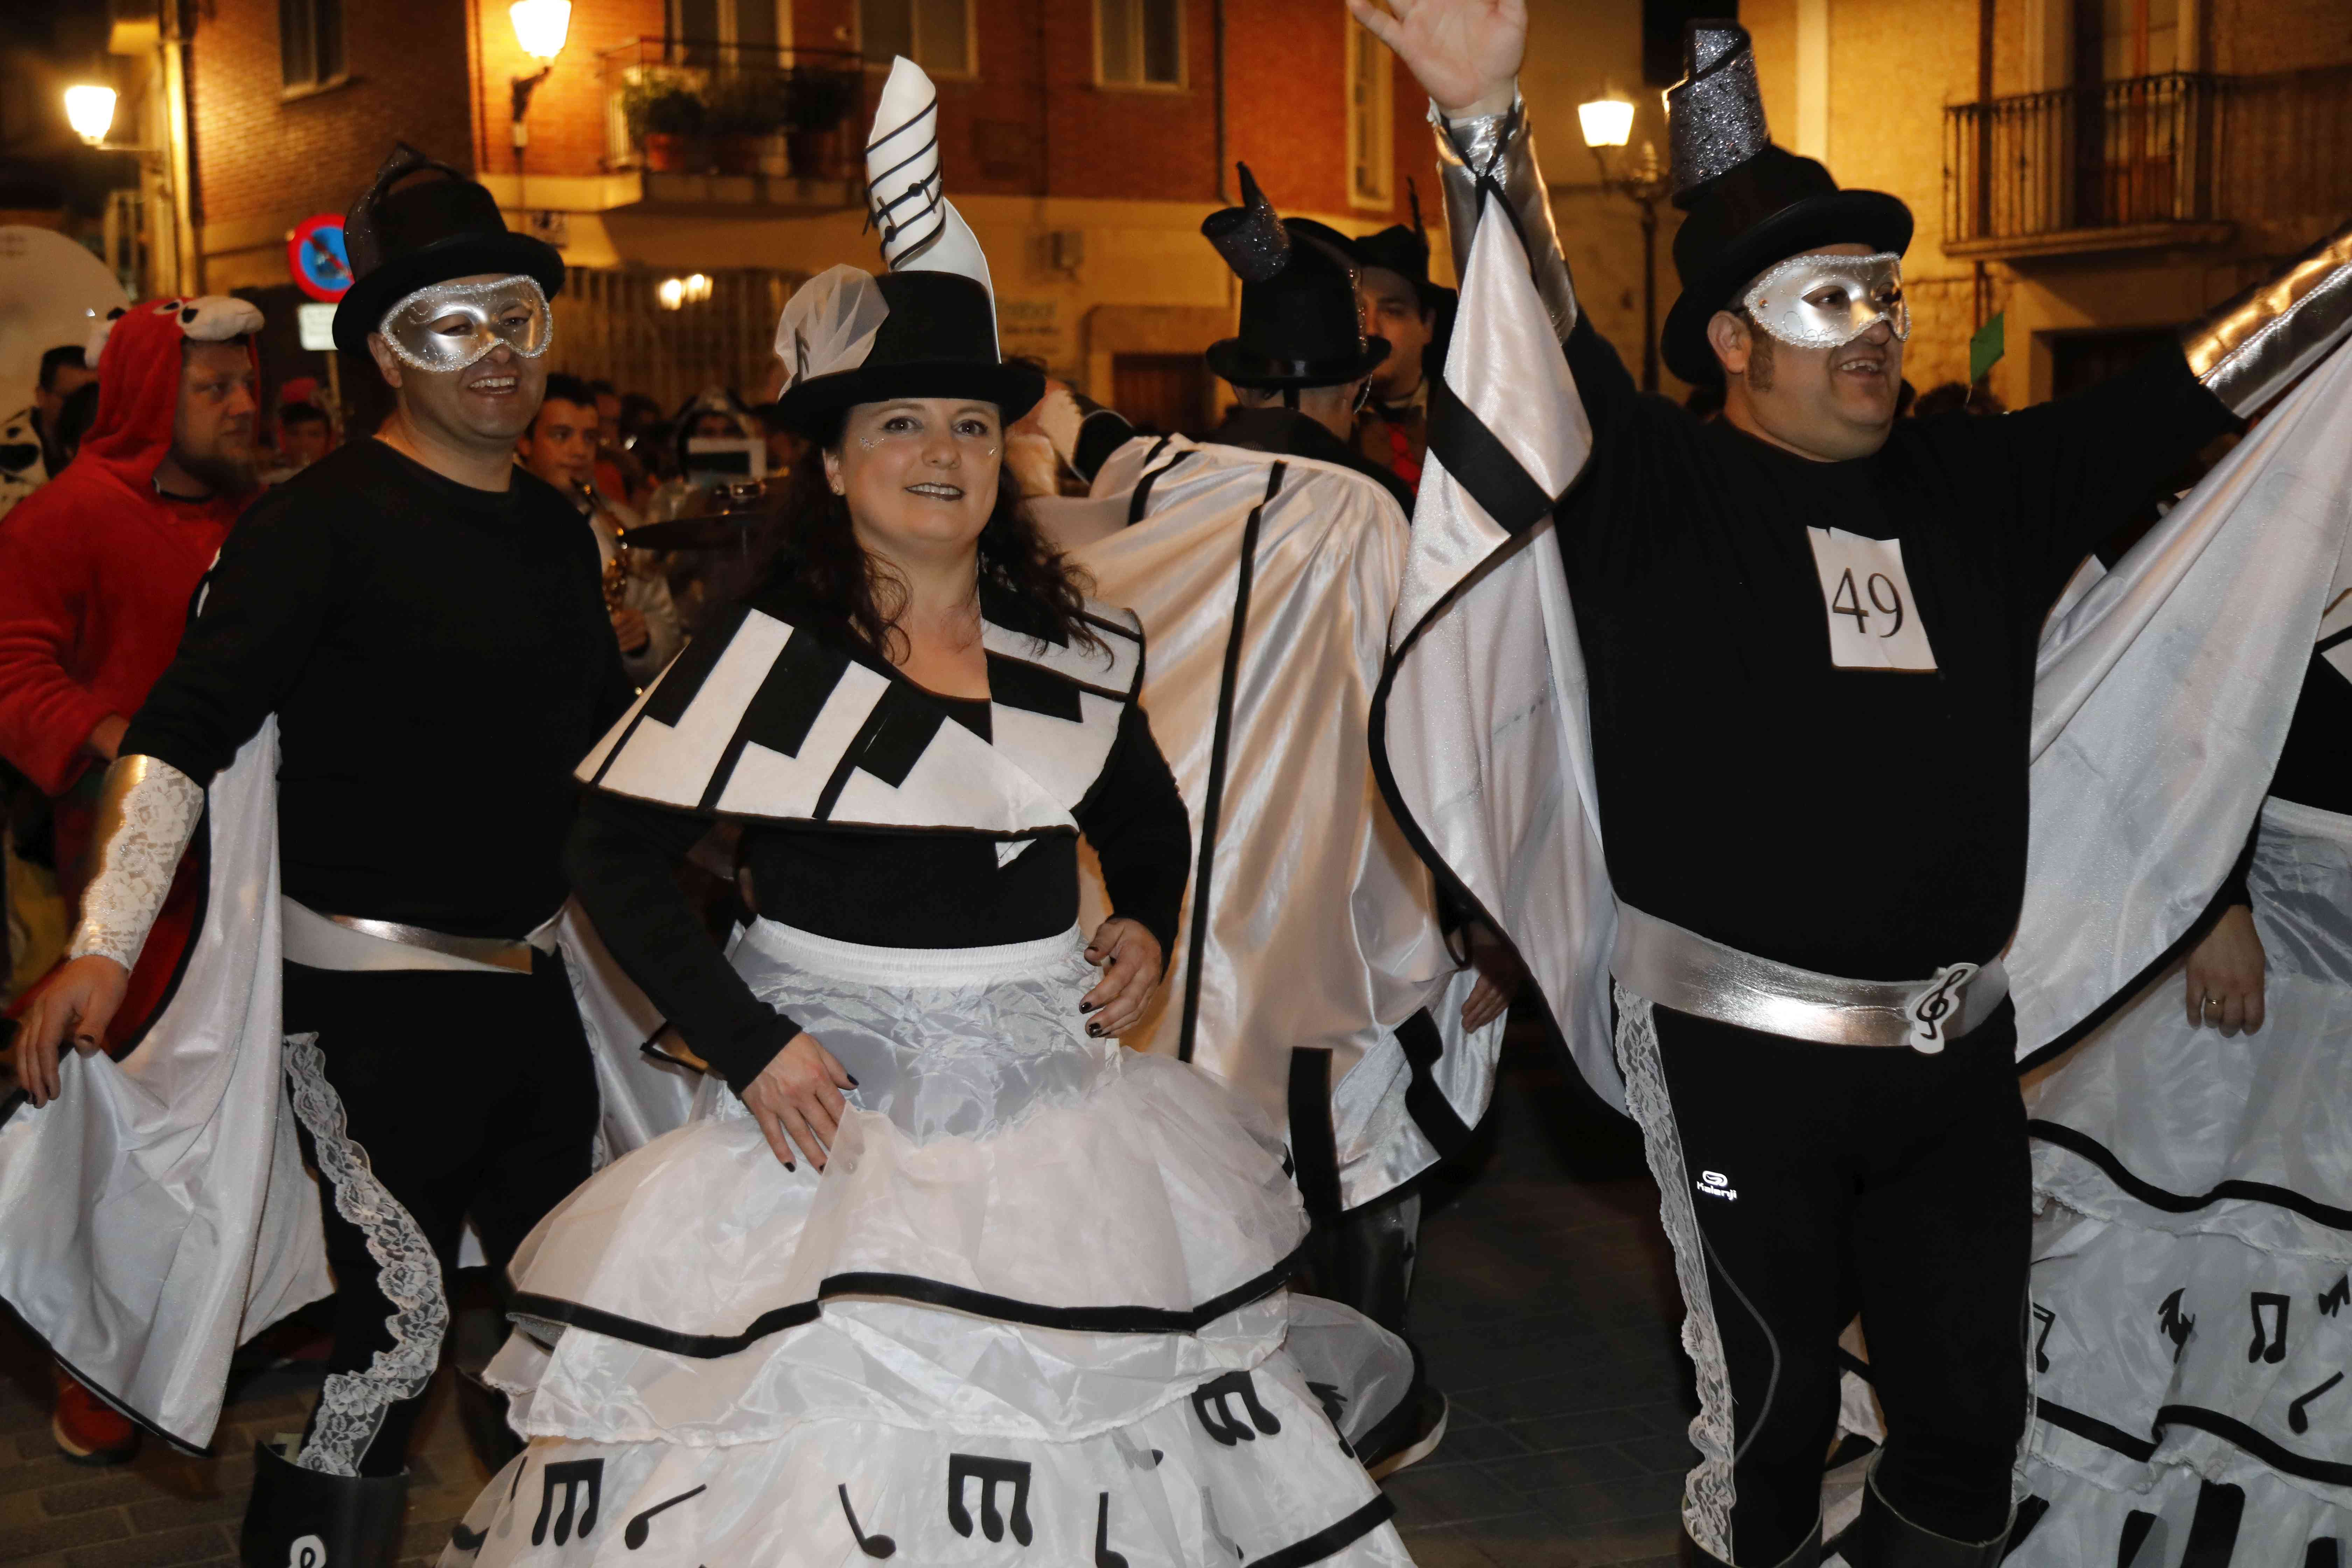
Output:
(1874, 620)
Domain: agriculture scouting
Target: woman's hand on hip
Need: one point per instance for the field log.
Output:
(797, 1099)
(1130, 960)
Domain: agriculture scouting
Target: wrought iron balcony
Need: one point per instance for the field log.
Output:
(2159, 160)
(729, 124)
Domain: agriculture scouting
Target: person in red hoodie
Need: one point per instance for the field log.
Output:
(97, 570)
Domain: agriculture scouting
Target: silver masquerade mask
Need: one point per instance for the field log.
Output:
(1827, 302)
(447, 326)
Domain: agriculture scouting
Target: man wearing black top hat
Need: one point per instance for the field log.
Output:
(1400, 304)
(1299, 365)
(423, 621)
(1811, 636)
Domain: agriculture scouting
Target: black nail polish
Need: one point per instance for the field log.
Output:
(852, 1077)
(789, 1166)
(1095, 1030)
(1088, 1006)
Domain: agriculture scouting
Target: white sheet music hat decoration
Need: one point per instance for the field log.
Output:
(926, 328)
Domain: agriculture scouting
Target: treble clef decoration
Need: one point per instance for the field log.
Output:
(308, 1551)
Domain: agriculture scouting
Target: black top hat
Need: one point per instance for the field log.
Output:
(426, 231)
(1748, 202)
(1300, 325)
(933, 334)
(1403, 249)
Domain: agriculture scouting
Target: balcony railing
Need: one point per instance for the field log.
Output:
(691, 107)
(2156, 157)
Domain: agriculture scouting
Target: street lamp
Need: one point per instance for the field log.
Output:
(540, 28)
(91, 112)
(1609, 123)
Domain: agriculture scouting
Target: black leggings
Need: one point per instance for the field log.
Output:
(1826, 1180)
(459, 1095)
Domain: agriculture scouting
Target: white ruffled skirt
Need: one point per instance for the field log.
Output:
(2193, 1256)
(1032, 1310)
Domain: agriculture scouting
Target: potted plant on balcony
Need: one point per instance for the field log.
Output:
(745, 112)
(663, 115)
(821, 98)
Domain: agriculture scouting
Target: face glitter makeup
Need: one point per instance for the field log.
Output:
(1827, 302)
(448, 326)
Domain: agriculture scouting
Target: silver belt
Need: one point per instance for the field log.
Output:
(1692, 973)
(310, 938)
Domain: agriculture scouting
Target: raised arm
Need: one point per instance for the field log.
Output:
(1466, 54)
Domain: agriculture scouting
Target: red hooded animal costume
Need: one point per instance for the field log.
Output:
(97, 570)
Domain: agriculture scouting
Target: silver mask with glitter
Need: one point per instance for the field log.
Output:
(446, 327)
(1827, 302)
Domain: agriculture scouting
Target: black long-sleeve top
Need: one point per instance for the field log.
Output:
(882, 888)
(1856, 822)
(439, 659)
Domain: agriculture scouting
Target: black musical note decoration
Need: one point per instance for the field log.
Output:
(2338, 1297)
(1211, 1402)
(574, 1476)
(988, 1472)
(464, 1539)
(1331, 1397)
(1210, 1526)
(1104, 1556)
(2269, 1344)
(1137, 1455)
(2176, 1325)
(2047, 1319)
(641, 1525)
(2296, 1418)
(308, 1551)
(872, 1545)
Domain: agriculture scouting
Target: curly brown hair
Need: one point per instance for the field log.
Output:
(852, 592)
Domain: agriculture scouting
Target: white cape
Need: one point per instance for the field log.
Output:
(1319, 931)
(2162, 698)
(157, 1214)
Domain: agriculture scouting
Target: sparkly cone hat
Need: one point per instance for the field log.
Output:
(1300, 325)
(1747, 202)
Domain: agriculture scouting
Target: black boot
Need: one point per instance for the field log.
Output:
(1881, 1538)
(1808, 1554)
(307, 1519)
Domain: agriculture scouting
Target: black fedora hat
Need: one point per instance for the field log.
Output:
(1403, 249)
(421, 222)
(1300, 323)
(850, 337)
(1747, 203)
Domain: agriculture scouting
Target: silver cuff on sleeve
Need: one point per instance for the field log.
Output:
(147, 812)
(2251, 349)
(1502, 146)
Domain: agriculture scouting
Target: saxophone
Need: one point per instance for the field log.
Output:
(616, 569)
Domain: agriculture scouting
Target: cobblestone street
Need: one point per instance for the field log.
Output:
(1543, 1307)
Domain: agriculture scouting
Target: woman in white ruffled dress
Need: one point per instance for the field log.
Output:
(944, 1273)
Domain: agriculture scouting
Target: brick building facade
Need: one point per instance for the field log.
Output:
(1087, 190)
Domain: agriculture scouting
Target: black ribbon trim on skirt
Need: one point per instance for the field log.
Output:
(2230, 1429)
(2092, 1429)
(1314, 1146)
(1331, 1537)
(907, 1288)
(2146, 1192)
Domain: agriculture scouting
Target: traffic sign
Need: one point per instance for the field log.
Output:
(315, 255)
